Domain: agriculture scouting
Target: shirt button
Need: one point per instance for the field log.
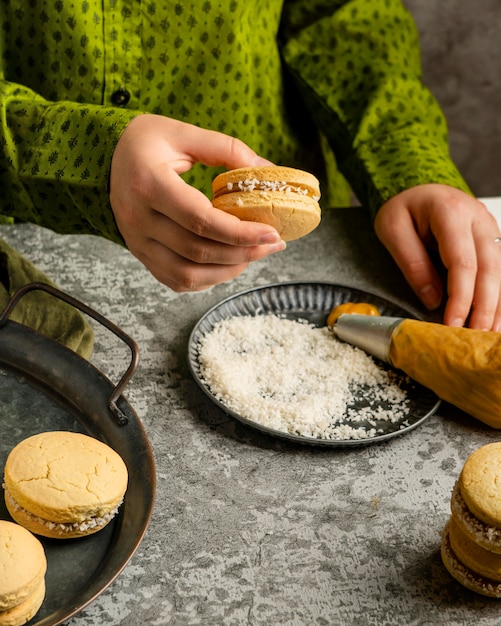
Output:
(120, 97)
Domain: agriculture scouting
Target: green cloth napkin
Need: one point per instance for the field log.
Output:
(39, 310)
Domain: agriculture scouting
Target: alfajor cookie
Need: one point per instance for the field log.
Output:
(476, 497)
(471, 565)
(284, 197)
(62, 484)
(471, 541)
(22, 574)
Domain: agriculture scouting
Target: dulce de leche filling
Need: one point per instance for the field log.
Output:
(253, 184)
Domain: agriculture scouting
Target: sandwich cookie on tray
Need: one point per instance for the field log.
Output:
(22, 574)
(63, 485)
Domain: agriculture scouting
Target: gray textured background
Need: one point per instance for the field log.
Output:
(461, 51)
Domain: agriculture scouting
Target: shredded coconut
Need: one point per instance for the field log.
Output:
(253, 184)
(64, 528)
(489, 537)
(294, 377)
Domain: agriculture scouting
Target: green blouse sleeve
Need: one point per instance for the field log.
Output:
(357, 64)
(57, 156)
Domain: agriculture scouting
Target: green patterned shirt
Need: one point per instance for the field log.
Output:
(330, 86)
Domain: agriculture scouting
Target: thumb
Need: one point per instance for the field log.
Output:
(216, 149)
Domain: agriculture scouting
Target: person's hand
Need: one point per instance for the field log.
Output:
(183, 240)
(463, 231)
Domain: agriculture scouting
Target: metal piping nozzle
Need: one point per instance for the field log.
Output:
(371, 333)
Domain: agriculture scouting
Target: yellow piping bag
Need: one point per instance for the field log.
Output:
(461, 365)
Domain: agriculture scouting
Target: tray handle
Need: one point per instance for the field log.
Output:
(117, 413)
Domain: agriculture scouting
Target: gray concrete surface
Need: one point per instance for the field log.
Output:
(250, 530)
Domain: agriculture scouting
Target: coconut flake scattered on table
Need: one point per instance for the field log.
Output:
(294, 377)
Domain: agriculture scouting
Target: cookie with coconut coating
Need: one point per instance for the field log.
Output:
(22, 574)
(476, 497)
(63, 484)
(283, 197)
(471, 565)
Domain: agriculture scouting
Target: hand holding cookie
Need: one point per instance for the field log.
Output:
(170, 226)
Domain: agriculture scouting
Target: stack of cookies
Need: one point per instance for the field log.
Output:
(471, 542)
(22, 574)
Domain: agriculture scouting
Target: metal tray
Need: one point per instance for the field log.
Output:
(45, 386)
(312, 302)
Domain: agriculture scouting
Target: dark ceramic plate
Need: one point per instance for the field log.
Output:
(312, 302)
(44, 386)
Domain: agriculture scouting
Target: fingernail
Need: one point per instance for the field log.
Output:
(457, 323)
(270, 237)
(277, 247)
(429, 297)
(260, 161)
